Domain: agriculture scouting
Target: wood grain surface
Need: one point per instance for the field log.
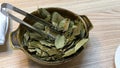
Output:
(104, 37)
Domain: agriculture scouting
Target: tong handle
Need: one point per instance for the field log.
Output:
(8, 6)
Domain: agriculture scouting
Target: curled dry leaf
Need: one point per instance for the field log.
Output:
(76, 28)
(39, 26)
(44, 14)
(60, 41)
(56, 18)
(64, 24)
(43, 42)
(74, 49)
(70, 29)
(31, 50)
(80, 43)
(69, 52)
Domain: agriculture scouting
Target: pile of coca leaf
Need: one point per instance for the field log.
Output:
(65, 44)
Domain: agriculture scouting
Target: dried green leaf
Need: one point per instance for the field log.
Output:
(30, 47)
(50, 51)
(44, 14)
(53, 51)
(71, 44)
(77, 28)
(69, 52)
(64, 24)
(38, 25)
(60, 41)
(80, 43)
(44, 48)
(43, 54)
(43, 42)
(70, 39)
(69, 31)
(48, 58)
(31, 50)
(56, 18)
(26, 36)
(47, 29)
(76, 48)
(34, 44)
(38, 51)
(35, 36)
(53, 33)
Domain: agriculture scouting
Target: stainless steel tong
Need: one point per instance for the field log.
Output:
(30, 16)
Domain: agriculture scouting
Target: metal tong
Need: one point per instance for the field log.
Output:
(30, 16)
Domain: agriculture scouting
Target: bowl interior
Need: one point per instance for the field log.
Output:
(64, 13)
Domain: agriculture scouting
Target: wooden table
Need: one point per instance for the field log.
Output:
(104, 38)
